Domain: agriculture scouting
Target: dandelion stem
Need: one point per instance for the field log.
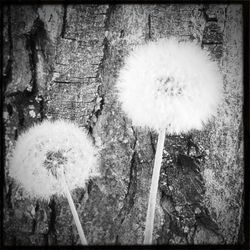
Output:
(148, 234)
(73, 211)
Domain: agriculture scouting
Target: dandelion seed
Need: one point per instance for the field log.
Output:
(172, 87)
(51, 140)
(54, 158)
(169, 85)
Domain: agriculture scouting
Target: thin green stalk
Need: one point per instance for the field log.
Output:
(74, 212)
(148, 234)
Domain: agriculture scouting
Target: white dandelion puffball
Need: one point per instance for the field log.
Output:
(169, 85)
(48, 148)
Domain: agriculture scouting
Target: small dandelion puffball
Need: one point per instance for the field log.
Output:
(169, 85)
(45, 150)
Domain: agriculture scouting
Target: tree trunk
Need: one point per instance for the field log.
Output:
(62, 61)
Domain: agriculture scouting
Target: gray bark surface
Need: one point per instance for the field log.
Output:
(63, 62)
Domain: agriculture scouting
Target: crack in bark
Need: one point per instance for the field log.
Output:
(134, 134)
(34, 221)
(131, 191)
(152, 143)
(9, 195)
(97, 113)
(31, 47)
(149, 27)
(42, 109)
(34, 41)
(9, 109)
(225, 19)
(132, 188)
(64, 22)
(52, 228)
(211, 43)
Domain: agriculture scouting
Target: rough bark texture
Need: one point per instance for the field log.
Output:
(63, 62)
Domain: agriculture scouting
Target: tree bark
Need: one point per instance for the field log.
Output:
(62, 61)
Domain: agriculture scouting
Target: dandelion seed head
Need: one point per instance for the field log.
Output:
(169, 84)
(45, 150)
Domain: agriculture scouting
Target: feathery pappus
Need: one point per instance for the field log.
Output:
(169, 84)
(44, 150)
